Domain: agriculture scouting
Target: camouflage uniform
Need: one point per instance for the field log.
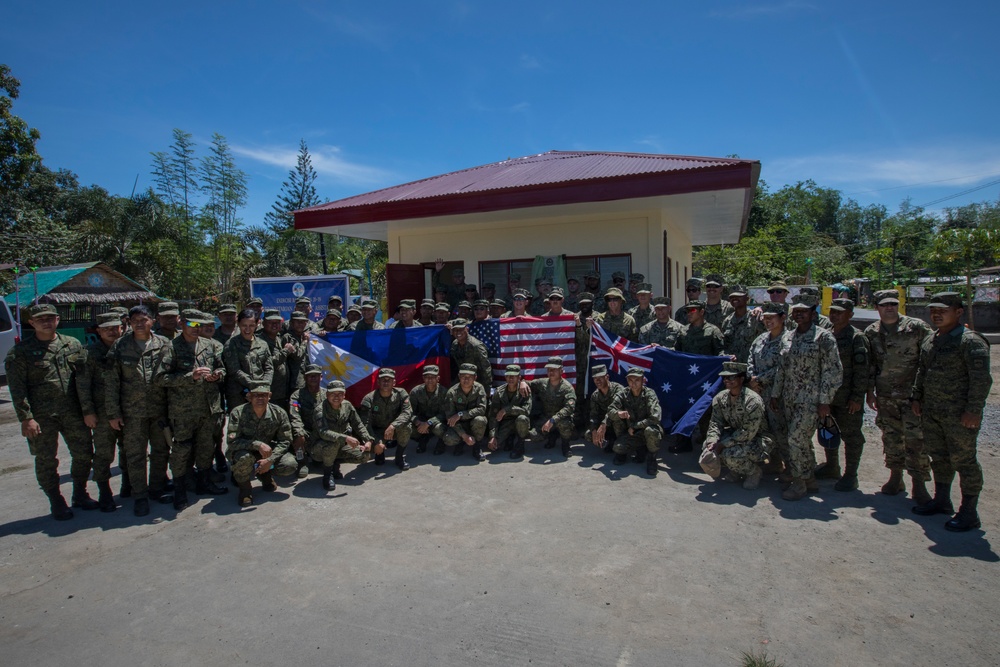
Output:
(473, 352)
(142, 406)
(895, 351)
(331, 444)
(279, 365)
(429, 408)
(705, 339)
(296, 361)
(717, 314)
(644, 420)
(378, 412)
(303, 415)
(557, 403)
(661, 334)
(738, 335)
(473, 407)
(740, 426)
(618, 325)
(852, 347)
(516, 421)
(642, 316)
(42, 379)
(223, 338)
(361, 325)
(91, 390)
(953, 377)
(600, 403)
(246, 432)
(765, 356)
(809, 374)
(193, 406)
(248, 363)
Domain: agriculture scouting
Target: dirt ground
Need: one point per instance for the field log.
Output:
(541, 562)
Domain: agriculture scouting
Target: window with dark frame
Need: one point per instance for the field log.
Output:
(497, 272)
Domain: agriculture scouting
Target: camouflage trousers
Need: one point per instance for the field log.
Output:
(902, 438)
(851, 434)
(143, 439)
(778, 426)
(744, 457)
(437, 429)
(611, 433)
(648, 437)
(564, 426)
(242, 465)
(46, 446)
(518, 426)
(475, 427)
(327, 453)
(952, 448)
(106, 441)
(193, 437)
(401, 435)
(801, 420)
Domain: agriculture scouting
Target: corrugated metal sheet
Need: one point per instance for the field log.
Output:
(50, 278)
(534, 170)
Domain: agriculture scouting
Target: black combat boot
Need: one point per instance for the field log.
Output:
(565, 447)
(640, 454)
(328, 482)
(608, 448)
(267, 481)
(830, 469)
(508, 444)
(459, 449)
(620, 459)
(244, 498)
(141, 507)
(422, 441)
(941, 504)
(181, 493)
(57, 504)
(439, 448)
(682, 444)
(518, 450)
(126, 489)
(651, 467)
(477, 451)
(161, 496)
(336, 471)
(204, 486)
(967, 517)
(81, 498)
(380, 459)
(105, 497)
(550, 439)
(221, 465)
(400, 459)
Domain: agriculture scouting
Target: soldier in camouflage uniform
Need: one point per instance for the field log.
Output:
(556, 399)
(387, 415)
(519, 303)
(227, 323)
(298, 357)
(572, 296)
(303, 406)
(367, 322)
(556, 304)
(699, 336)
(642, 311)
(279, 348)
(513, 285)
(226, 313)
(582, 336)
(848, 406)
(738, 432)
(717, 309)
(41, 374)
(662, 330)
(635, 414)
(592, 284)
(615, 320)
(456, 290)
(91, 389)
(138, 408)
(692, 292)
(167, 320)
(258, 436)
(635, 283)
(765, 355)
(497, 308)
(428, 404)
(509, 415)
(605, 393)
(895, 346)
(302, 305)
(738, 329)
(248, 362)
(808, 377)
(949, 394)
(813, 293)
(425, 314)
(333, 322)
(340, 435)
(465, 409)
(190, 370)
(467, 349)
(406, 315)
(353, 316)
(538, 305)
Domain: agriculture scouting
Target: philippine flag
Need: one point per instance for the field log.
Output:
(354, 357)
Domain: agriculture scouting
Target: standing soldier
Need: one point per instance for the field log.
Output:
(227, 323)
(808, 377)
(692, 292)
(280, 349)
(510, 415)
(426, 317)
(662, 330)
(167, 316)
(428, 404)
(466, 404)
(636, 415)
(581, 344)
(604, 395)
(615, 320)
(91, 388)
(248, 362)
(467, 349)
(405, 319)
(592, 283)
(298, 338)
(699, 336)
(738, 329)
(513, 285)
(572, 296)
(41, 372)
(386, 413)
(642, 312)
(822, 320)
(304, 404)
(765, 355)
(190, 370)
(367, 322)
(138, 408)
(716, 309)
(738, 433)
(557, 399)
(949, 393)
(895, 346)
(848, 406)
(340, 435)
(258, 435)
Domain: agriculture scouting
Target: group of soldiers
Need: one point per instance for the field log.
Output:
(169, 389)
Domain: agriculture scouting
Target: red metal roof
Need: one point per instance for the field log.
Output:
(555, 177)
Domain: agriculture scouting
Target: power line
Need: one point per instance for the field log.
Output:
(964, 192)
(915, 185)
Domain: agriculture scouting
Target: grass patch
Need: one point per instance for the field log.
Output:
(751, 659)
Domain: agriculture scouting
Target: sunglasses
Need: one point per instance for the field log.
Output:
(693, 289)
(777, 291)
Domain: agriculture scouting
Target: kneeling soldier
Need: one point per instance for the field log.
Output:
(738, 432)
(465, 408)
(600, 403)
(636, 414)
(386, 413)
(259, 435)
(510, 415)
(340, 435)
(304, 404)
(557, 399)
(427, 402)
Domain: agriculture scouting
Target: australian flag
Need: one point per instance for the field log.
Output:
(684, 383)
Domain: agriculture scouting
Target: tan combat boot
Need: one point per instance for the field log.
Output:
(895, 484)
(796, 491)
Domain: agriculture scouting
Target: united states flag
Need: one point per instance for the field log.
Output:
(528, 342)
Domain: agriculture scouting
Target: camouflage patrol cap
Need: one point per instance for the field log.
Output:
(554, 362)
(498, 302)
(260, 389)
(886, 296)
(592, 275)
(737, 290)
(617, 275)
(457, 272)
(644, 288)
(467, 369)
(613, 293)
(298, 315)
(368, 303)
(636, 278)
(303, 300)
(663, 301)
(713, 280)
(255, 301)
(573, 279)
(598, 371)
(334, 297)
(842, 304)
(521, 294)
(489, 286)
(312, 369)
(427, 302)
(386, 373)
(710, 463)
(408, 303)
(459, 323)
(440, 289)
(696, 303)
(335, 312)
(480, 303)
(193, 316)
(809, 290)
(168, 308)
(227, 308)
(777, 284)
(442, 306)
(516, 277)
(584, 297)
(431, 369)
(469, 287)
(512, 370)
(556, 293)
(692, 283)
(946, 300)
(108, 320)
(243, 466)
(463, 304)
(355, 308)
(635, 371)
(120, 311)
(336, 386)
(804, 301)
(272, 314)
(40, 309)
(774, 308)
(730, 368)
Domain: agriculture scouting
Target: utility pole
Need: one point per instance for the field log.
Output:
(322, 252)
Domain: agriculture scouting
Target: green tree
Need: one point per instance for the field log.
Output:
(225, 188)
(962, 250)
(17, 150)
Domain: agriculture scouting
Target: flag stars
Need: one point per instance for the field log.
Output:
(691, 400)
(666, 387)
(693, 369)
(705, 386)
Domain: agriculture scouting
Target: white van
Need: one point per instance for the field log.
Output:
(8, 336)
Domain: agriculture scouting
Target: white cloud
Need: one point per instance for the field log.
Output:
(530, 62)
(750, 11)
(327, 160)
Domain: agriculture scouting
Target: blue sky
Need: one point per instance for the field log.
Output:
(882, 100)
